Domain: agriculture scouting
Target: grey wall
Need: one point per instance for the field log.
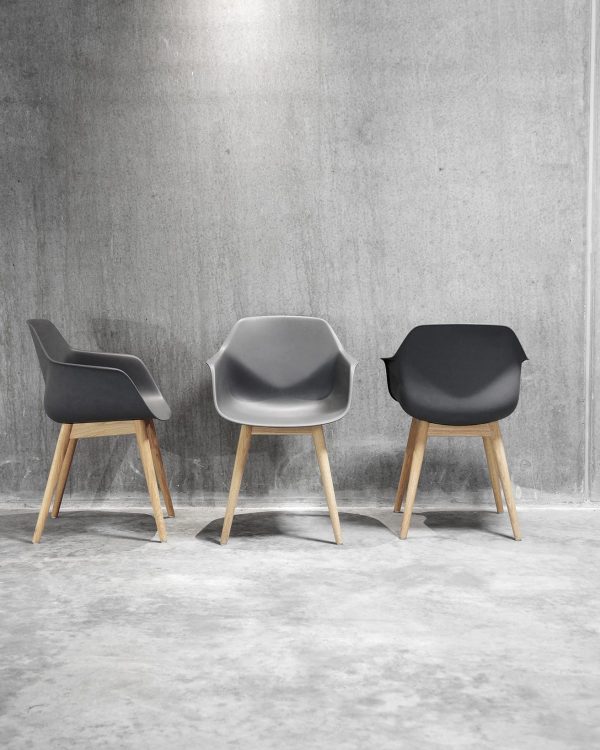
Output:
(168, 167)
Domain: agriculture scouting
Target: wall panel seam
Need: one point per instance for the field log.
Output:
(589, 260)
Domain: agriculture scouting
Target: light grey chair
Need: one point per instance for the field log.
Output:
(282, 375)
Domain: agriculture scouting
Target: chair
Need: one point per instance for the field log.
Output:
(92, 394)
(456, 380)
(282, 375)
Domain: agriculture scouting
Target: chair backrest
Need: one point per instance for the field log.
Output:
(283, 354)
(50, 346)
(460, 359)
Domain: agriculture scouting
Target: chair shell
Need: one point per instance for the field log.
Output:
(282, 371)
(457, 374)
(93, 386)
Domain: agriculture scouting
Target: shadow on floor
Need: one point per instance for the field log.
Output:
(486, 521)
(312, 526)
(100, 525)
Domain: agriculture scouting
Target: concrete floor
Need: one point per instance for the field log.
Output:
(459, 637)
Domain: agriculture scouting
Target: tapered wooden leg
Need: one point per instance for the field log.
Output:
(145, 449)
(63, 476)
(415, 473)
(323, 459)
(405, 472)
(160, 468)
(241, 456)
(502, 464)
(493, 471)
(59, 452)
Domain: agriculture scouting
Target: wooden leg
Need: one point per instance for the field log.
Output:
(404, 474)
(160, 468)
(415, 473)
(323, 459)
(241, 456)
(502, 464)
(63, 476)
(493, 471)
(59, 452)
(145, 449)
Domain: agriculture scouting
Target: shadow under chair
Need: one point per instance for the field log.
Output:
(95, 394)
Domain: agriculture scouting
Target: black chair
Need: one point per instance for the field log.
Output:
(93, 394)
(456, 380)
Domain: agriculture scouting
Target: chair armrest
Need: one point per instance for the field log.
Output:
(349, 360)
(391, 376)
(132, 366)
(344, 374)
(220, 370)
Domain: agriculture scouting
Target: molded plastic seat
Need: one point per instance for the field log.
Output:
(93, 386)
(282, 371)
(457, 374)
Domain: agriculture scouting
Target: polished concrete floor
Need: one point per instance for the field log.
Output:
(457, 638)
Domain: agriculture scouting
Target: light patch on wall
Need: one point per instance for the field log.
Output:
(244, 34)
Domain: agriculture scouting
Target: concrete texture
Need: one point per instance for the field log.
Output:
(593, 266)
(457, 638)
(168, 167)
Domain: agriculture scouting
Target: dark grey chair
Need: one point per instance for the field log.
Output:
(93, 394)
(456, 380)
(282, 375)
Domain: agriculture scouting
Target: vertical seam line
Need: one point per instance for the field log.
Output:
(589, 265)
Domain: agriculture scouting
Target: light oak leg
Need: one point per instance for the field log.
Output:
(160, 468)
(145, 449)
(63, 476)
(502, 464)
(59, 452)
(323, 459)
(415, 473)
(493, 471)
(405, 472)
(241, 456)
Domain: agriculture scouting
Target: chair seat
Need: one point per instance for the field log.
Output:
(283, 411)
(423, 400)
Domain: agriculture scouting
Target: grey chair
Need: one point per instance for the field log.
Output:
(93, 394)
(456, 380)
(282, 375)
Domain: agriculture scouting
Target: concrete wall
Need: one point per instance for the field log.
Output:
(169, 167)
